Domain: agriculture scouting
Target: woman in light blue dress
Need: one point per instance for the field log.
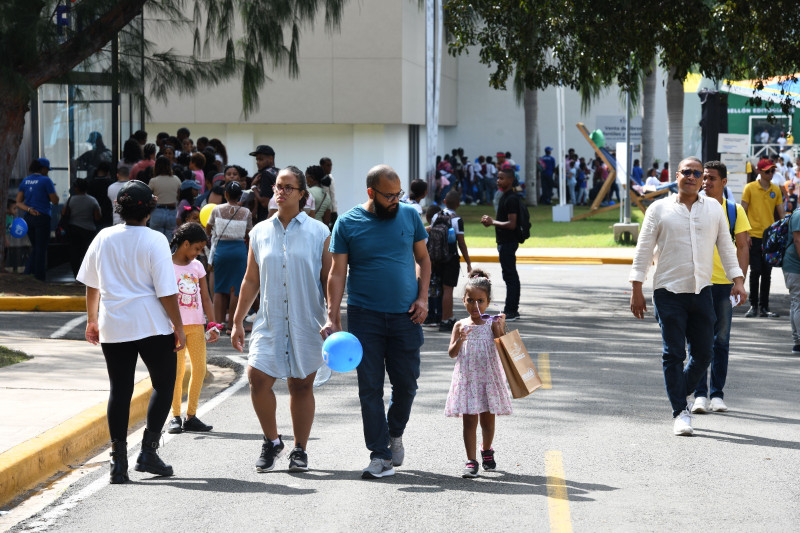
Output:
(288, 263)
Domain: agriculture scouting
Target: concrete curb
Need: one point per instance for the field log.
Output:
(26, 465)
(43, 303)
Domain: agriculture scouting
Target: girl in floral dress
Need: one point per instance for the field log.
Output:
(479, 389)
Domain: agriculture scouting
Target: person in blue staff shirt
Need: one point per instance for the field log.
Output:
(35, 196)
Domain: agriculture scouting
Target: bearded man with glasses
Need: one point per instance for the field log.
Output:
(382, 241)
(685, 228)
(761, 199)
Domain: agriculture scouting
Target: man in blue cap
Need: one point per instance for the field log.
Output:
(548, 166)
(36, 193)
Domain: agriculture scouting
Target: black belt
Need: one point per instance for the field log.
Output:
(164, 206)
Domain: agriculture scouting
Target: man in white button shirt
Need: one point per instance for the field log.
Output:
(681, 232)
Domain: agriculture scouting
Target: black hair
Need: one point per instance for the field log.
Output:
(302, 186)
(34, 167)
(719, 166)
(131, 209)
(432, 210)
(220, 149)
(186, 194)
(162, 135)
(131, 151)
(417, 189)
(316, 172)
(479, 279)
(186, 212)
(149, 150)
(324, 160)
(233, 190)
(140, 136)
(80, 185)
(191, 232)
(241, 170)
(163, 166)
(103, 166)
(184, 131)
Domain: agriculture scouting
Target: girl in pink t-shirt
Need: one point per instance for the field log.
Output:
(188, 242)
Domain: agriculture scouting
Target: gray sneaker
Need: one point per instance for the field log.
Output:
(378, 468)
(398, 452)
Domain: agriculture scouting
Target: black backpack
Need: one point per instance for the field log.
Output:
(523, 223)
(439, 249)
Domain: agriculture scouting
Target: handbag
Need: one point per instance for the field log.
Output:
(521, 373)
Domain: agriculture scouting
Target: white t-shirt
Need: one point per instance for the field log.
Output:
(778, 179)
(113, 190)
(132, 268)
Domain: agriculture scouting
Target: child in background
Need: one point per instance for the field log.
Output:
(188, 242)
(479, 389)
(435, 287)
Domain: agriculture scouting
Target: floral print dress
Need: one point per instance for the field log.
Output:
(479, 384)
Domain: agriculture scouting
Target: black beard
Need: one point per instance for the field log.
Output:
(386, 213)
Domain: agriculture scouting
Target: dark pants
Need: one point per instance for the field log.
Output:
(685, 318)
(158, 354)
(759, 269)
(721, 294)
(507, 253)
(547, 188)
(79, 241)
(391, 344)
(39, 234)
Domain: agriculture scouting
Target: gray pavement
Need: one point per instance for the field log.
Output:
(606, 423)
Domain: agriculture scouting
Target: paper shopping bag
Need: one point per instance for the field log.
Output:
(520, 371)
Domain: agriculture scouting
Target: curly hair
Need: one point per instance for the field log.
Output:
(130, 209)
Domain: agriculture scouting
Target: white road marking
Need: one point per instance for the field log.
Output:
(50, 518)
(69, 326)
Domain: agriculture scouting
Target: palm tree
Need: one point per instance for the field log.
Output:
(648, 115)
(674, 119)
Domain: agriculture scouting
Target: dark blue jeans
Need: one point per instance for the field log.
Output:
(507, 253)
(39, 234)
(685, 318)
(391, 344)
(722, 335)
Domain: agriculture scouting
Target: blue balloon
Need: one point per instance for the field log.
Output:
(342, 351)
(18, 228)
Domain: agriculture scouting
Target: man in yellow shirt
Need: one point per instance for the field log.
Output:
(715, 178)
(760, 199)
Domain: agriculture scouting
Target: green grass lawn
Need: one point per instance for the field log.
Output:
(592, 232)
(9, 357)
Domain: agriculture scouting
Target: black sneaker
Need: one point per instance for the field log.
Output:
(298, 460)
(511, 317)
(470, 469)
(447, 325)
(194, 424)
(488, 459)
(269, 453)
(751, 313)
(766, 313)
(175, 426)
(796, 349)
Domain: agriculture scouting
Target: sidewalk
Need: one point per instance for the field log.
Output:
(54, 409)
(565, 256)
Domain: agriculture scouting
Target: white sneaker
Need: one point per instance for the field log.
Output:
(700, 405)
(683, 424)
(718, 406)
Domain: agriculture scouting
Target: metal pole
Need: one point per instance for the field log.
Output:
(562, 177)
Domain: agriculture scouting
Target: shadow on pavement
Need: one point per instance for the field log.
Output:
(738, 438)
(226, 485)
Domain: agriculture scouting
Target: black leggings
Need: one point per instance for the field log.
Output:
(159, 356)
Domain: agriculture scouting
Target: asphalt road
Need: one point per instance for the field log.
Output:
(593, 453)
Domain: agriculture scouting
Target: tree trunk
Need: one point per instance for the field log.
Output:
(674, 121)
(531, 105)
(648, 117)
(12, 127)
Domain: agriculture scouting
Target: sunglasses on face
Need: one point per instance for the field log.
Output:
(689, 172)
(770, 171)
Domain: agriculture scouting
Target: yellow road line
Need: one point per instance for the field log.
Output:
(543, 366)
(557, 497)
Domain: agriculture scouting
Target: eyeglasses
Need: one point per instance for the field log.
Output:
(689, 172)
(391, 197)
(285, 189)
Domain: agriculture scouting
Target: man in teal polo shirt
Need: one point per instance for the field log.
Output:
(383, 243)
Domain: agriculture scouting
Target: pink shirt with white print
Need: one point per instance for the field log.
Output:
(189, 301)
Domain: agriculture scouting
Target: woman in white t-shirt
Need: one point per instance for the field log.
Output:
(130, 301)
